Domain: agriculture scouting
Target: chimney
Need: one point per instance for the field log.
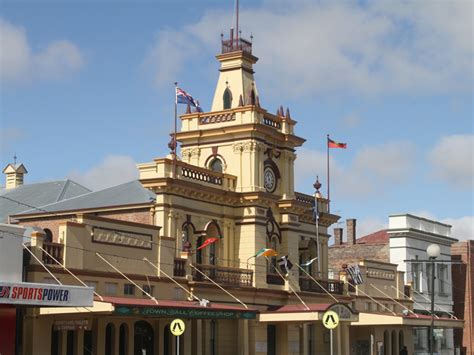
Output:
(337, 236)
(351, 231)
(14, 175)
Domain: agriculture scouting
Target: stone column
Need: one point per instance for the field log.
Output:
(79, 342)
(63, 342)
(243, 336)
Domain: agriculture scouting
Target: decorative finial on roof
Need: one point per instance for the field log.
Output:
(188, 109)
(14, 159)
(288, 114)
(317, 185)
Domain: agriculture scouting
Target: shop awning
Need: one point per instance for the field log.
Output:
(299, 313)
(145, 307)
(374, 319)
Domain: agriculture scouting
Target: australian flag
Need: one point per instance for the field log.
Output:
(4, 291)
(182, 97)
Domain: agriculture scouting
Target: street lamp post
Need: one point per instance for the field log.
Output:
(433, 251)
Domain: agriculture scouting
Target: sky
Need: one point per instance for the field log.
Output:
(86, 92)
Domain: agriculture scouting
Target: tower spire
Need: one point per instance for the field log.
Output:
(237, 20)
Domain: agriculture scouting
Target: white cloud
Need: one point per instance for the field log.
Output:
(344, 47)
(463, 227)
(351, 120)
(371, 170)
(113, 170)
(453, 160)
(19, 64)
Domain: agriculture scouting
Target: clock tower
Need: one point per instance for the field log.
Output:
(238, 136)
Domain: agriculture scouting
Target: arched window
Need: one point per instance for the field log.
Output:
(109, 339)
(313, 252)
(187, 234)
(143, 338)
(252, 97)
(401, 340)
(227, 98)
(54, 341)
(213, 231)
(123, 339)
(216, 165)
(48, 235)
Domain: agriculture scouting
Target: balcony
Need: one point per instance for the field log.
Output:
(332, 286)
(224, 275)
(165, 168)
(236, 44)
(179, 267)
(275, 279)
(55, 250)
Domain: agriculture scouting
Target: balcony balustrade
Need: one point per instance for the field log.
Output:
(332, 286)
(179, 267)
(56, 251)
(224, 275)
(274, 279)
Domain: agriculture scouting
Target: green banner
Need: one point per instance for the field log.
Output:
(183, 313)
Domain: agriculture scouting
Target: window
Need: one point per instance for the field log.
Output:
(227, 98)
(442, 277)
(416, 276)
(48, 235)
(110, 288)
(216, 165)
(367, 306)
(129, 289)
(429, 270)
(148, 289)
(92, 284)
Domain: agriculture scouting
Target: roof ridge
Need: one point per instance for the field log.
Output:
(63, 190)
(41, 208)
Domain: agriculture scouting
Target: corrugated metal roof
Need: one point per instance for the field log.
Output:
(130, 193)
(37, 195)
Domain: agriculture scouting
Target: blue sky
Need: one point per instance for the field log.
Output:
(87, 92)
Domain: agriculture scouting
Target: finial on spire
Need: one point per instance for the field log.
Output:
(317, 185)
(14, 159)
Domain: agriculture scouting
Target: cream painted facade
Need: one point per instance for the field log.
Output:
(234, 181)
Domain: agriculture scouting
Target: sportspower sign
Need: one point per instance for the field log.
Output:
(35, 294)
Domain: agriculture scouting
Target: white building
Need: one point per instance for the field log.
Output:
(409, 237)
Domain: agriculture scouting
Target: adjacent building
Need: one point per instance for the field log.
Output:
(405, 241)
(463, 294)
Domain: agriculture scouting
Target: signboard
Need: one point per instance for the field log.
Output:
(36, 294)
(330, 319)
(344, 312)
(183, 313)
(72, 324)
(177, 327)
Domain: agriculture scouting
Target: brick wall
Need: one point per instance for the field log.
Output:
(51, 223)
(351, 254)
(138, 215)
(463, 292)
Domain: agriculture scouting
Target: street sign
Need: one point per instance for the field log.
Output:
(177, 327)
(330, 319)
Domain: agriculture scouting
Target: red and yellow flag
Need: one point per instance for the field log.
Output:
(334, 144)
(207, 242)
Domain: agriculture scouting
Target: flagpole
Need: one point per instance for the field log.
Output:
(175, 129)
(329, 198)
(289, 285)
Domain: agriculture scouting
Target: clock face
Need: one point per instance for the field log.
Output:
(269, 179)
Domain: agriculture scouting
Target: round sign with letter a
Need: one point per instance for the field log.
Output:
(177, 327)
(330, 319)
